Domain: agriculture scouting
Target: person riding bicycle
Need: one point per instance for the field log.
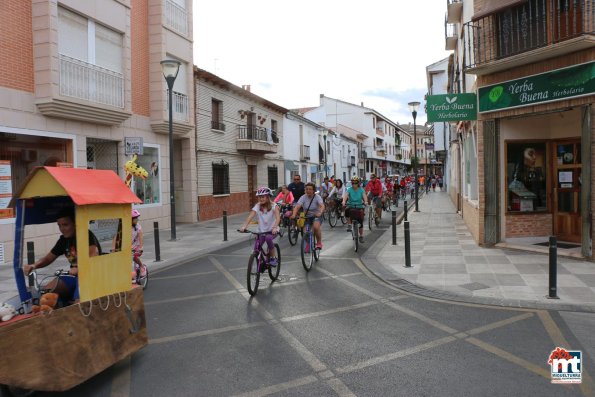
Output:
(297, 187)
(268, 221)
(66, 286)
(325, 188)
(336, 193)
(355, 199)
(374, 189)
(388, 184)
(285, 199)
(137, 244)
(314, 207)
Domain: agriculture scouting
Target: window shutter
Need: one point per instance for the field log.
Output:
(72, 35)
(108, 48)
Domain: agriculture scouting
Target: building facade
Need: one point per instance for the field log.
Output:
(239, 145)
(83, 79)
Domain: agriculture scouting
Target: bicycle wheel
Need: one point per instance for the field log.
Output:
(354, 235)
(377, 218)
(292, 232)
(307, 258)
(274, 271)
(332, 218)
(370, 217)
(388, 204)
(143, 281)
(343, 219)
(253, 275)
(315, 252)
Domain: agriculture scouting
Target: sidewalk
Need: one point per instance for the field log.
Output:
(192, 240)
(447, 263)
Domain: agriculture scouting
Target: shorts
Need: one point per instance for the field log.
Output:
(72, 284)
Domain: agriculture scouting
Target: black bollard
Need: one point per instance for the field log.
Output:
(394, 227)
(553, 269)
(224, 225)
(31, 260)
(407, 245)
(405, 210)
(156, 237)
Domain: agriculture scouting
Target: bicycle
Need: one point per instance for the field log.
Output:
(373, 218)
(285, 220)
(294, 230)
(355, 225)
(259, 262)
(387, 203)
(309, 252)
(335, 213)
(140, 278)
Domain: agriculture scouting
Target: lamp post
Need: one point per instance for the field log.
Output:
(170, 69)
(413, 106)
(324, 134)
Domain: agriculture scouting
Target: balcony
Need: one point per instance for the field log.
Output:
(180, 111)
(454, 10)
(450, 33)
(533, 31)
(256, 140)
(379, 131)
(216, 125)
(176, 17)
(97, 94)
(305, 153)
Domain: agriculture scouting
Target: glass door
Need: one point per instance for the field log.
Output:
(567, 191)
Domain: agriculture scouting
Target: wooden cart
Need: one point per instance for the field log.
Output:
(58, 350)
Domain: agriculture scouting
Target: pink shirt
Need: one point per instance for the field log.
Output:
(286, 199)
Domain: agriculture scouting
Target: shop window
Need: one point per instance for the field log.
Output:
(19, 154)
(526, 169)
(148, 189)
(109, 234)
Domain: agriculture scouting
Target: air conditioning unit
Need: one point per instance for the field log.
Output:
(29, 155)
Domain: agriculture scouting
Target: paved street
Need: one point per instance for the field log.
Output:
(337, 330)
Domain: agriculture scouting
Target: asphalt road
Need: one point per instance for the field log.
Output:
(337, 330)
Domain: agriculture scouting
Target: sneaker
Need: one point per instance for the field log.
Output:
(273, 262)
(318, 246)
(361, 239)
(349, 228)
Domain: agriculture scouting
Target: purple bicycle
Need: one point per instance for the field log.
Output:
(260, 262)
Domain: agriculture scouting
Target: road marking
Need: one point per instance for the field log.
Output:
(587, 386)
(122, 378)
(185, 298)
(186, 275)
(278, 388)
(197, 334)
(331, 311)
(340, 388)
(499, 324)
(393, 356)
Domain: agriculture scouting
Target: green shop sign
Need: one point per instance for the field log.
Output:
(571, 82)
(452, 107)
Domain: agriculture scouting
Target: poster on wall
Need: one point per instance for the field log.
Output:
(526, 176)
(5, 189)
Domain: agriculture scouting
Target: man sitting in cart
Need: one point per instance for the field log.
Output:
(65, 285)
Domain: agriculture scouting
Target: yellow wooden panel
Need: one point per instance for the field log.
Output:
(105, 274)
(42, 185)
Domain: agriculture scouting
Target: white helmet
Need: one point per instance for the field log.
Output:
(264, 191)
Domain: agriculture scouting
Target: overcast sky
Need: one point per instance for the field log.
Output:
(290, 52)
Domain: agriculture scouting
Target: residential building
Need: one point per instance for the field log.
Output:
(535, 70)
(239, 145)
(84, 77)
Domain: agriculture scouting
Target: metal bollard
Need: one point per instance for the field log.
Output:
(394, 227)
(30, 261)
(405, 210)
(407, 245)
(157, 246)
(224, 225)
(553, 289)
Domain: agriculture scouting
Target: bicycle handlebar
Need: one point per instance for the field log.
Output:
(251, 232)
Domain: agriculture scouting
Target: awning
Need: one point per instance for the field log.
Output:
(493, 6)
(291, 166)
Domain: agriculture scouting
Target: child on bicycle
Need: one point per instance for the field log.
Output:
(137, 244)
(268, 221)
(355, 199)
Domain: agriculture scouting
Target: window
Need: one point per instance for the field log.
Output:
(148, 189)
(217, 115)
(221, 178)
(526, 176)
(273, 177)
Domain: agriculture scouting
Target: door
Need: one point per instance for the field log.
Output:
(252, 185)
(567, 190)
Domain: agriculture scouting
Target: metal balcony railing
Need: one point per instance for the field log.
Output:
(216, 125)
(176, 17)
(82, 80)
(256, 133)
(305, 152)
(180, 111)
(531, 25)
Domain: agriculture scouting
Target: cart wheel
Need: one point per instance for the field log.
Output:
(13, 391)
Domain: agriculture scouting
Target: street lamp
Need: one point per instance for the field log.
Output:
(324, 134)
(170, 69)
(413, 106)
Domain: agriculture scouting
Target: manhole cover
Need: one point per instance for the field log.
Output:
(474, 286)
